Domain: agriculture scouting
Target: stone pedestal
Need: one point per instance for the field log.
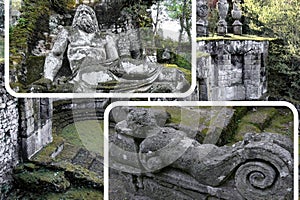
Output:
(232, 70)
(236, 14)
(223, 7)
(202, 22)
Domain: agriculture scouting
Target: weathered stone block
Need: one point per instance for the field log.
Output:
(232, 64)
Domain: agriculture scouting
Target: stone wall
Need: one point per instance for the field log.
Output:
(8, 132)
(25, 128)
(68, 111)
(232, 69)
(35, 125)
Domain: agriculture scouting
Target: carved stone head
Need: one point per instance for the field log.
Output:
(85, 19)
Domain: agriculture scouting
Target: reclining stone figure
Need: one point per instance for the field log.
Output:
(261, 165)
(95, 60)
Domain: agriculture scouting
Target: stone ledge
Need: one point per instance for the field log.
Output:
(235, 37)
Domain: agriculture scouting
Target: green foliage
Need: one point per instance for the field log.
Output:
(139, 13)
(62, 6)
(182, 11)
(280, 19)
(26, 32)
(275, 18)
(284, 73)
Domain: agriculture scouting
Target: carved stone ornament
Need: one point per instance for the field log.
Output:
(223, 7)
(260, 167)
(237, 15)
(202, 14)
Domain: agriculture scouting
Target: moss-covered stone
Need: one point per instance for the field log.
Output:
(235, 37)
(87, 134)
(187, 73)
(74, 193)
(42, 181)
(80, 176)
(77, 193)
(244, 128)
(260, 117)
(44, 156)
(200, 54)
(282, 123)
(228, 133)
(35, 68)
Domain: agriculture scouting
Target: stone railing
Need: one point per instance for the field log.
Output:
(155, 161)
(223, 6)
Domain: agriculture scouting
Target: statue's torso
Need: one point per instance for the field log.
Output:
(86, 49)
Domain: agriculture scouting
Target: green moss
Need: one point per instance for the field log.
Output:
(23, 36)
(260, 117)
(282, 123)
(1, 49)
(68, 153)
(35, 68)
(80, 176)
(46, 83)
(228, 133)
(77, 193)
(175, 113)
(244, 128)
(31, 166)
(187, 73)
(60, 103)
(186, 116)
(44, 156)
(66, 87)
(17, 86)
(200, 54)
(42, 181)
(235, 37)
(88, 134)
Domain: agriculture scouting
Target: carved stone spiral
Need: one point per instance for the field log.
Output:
(259, 180)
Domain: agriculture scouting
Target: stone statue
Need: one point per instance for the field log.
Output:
(95, 62)
(144, 145)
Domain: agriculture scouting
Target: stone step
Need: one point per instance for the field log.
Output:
(83, 158)
(97, 165)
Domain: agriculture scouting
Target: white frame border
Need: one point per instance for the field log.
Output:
(202, 104)
(100, 95)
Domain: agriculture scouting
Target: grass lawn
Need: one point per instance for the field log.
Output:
(87, 134)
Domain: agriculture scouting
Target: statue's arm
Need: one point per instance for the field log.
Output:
(54, 60)
(111, 50)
